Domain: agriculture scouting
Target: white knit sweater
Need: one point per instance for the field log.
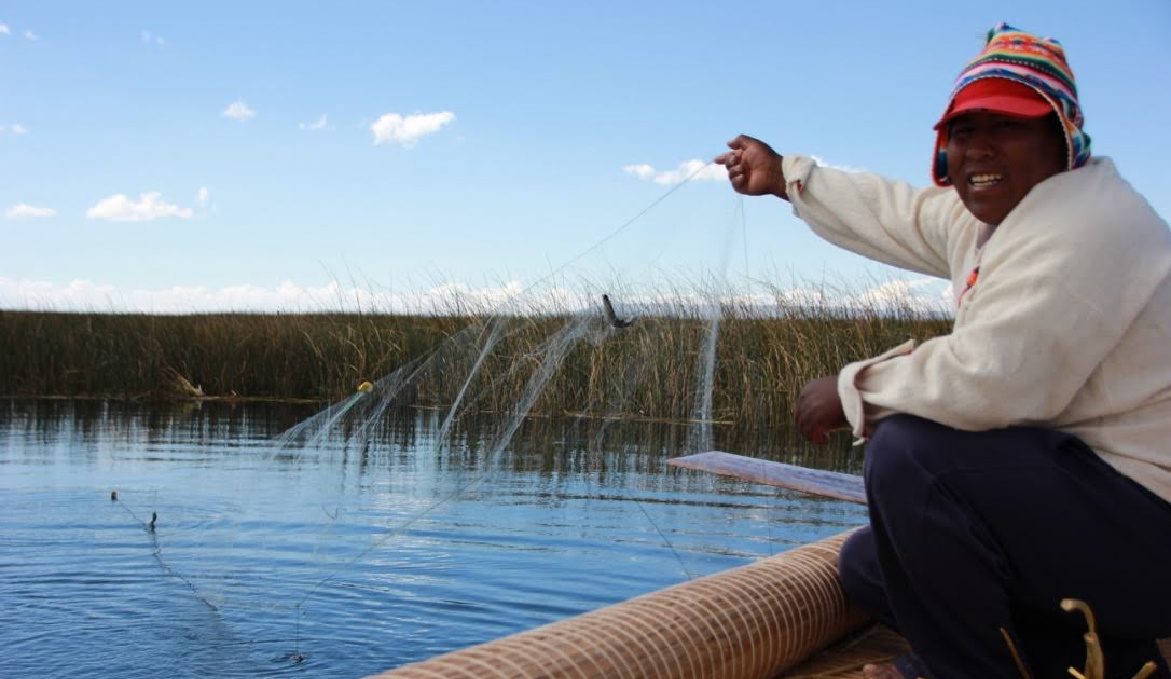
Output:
(1068, 326)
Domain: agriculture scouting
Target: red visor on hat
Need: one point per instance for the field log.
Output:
(998, 95)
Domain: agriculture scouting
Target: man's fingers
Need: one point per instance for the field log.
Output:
(808, 424)
(815, 434)
(740, 142)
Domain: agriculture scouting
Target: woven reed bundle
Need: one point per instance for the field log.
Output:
(751, 622)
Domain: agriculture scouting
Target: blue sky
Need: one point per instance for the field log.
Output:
(199, 156)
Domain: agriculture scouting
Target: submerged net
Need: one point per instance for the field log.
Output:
(487, 381)
(495, 385)
(486, 371)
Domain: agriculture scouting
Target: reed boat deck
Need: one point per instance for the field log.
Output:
(845, 659)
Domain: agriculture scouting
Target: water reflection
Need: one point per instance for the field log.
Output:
(341, 560)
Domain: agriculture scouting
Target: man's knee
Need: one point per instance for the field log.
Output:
(902, 449)
(906, 451)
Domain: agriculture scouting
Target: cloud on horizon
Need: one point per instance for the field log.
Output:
(694, 169)
(287, 297)
(406, 131)
(26, 211)
(506, 298)
(238, 110)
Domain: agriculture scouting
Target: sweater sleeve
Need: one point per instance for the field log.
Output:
(887, 221)
(1061, 281)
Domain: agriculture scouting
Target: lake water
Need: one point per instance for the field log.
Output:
(328, 561)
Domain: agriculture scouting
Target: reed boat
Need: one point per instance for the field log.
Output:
(783, 616)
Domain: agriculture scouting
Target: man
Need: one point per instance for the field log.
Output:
(1025, 457)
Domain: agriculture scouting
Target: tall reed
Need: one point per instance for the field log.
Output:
(764, 355)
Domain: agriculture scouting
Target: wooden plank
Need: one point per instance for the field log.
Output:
(837, 485)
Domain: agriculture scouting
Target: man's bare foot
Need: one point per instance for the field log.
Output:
(881, 671)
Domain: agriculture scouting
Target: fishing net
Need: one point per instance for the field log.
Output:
(276, 546)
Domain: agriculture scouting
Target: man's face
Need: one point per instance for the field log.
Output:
(994, 160)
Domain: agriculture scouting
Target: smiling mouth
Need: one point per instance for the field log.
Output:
(984, 179)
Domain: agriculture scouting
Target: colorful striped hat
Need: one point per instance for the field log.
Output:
(1030, 60)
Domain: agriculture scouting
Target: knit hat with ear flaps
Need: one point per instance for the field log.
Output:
(1029, 60)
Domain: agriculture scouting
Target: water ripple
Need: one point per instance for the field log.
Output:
(323, 563)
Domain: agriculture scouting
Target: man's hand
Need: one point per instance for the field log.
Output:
(819, 409)
(754, 168)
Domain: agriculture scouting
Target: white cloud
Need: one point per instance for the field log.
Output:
(406, 131)
(153, 39)
(25, 211)
(149, 206)
(31, 36)
(641, 171)
(322, 123)
(203, 197)
(920, 294)
(452, 295)
(238, 110)
(915, 296)
(693, 169)
(17, 129)
(4, 30)
(85, 295)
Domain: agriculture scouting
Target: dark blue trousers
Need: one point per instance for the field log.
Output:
(971, 532)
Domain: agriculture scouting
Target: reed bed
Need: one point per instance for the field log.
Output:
(652, 370)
